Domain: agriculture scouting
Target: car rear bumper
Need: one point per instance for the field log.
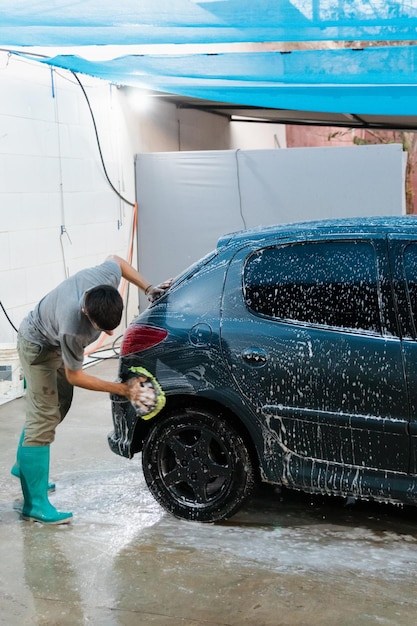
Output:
(124, 422)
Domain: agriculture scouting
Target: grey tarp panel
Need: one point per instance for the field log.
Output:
(187, 200)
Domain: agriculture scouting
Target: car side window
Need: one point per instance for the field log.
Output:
(331, 283)
(410, 266)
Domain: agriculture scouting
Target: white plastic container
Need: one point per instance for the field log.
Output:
(11, 373)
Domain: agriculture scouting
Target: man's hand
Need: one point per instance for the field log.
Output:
(155, 292)
(142, 393)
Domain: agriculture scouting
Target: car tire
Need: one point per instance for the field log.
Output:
(197, 466)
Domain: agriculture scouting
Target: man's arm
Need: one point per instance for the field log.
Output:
(136, 278)
(79, 378)
(132, 390)
(129, 272)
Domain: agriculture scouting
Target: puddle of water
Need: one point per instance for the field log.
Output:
(113, 510)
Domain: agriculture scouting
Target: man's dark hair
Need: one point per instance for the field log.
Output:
(104, 306)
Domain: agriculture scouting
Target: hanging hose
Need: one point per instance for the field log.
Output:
(7, 317)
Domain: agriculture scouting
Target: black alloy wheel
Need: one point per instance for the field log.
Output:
(197, 466)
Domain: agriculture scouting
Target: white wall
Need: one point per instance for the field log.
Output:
(156, 125)
(257, 136)
(58, 213)
(51, 180)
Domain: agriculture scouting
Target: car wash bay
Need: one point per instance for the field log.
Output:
(284, 559)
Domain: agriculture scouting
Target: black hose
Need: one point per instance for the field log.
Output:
(7, 317)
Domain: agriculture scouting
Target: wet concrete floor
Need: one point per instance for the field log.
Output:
(284, 560)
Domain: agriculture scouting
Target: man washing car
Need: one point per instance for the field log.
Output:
(51, 343)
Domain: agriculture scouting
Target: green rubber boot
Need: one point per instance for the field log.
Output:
(15, 471)
(34, 471)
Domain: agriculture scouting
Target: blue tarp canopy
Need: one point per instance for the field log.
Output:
(381, 81)
(101, 22)
(378, 77)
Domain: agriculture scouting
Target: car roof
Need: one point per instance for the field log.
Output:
(348, 225)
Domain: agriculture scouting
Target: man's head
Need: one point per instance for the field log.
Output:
(103, 305)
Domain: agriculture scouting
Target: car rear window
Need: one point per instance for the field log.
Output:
(193, 269)
(329, 283)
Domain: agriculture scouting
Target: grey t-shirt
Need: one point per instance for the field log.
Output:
(57, 321)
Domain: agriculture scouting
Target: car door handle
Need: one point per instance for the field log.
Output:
(254, 356)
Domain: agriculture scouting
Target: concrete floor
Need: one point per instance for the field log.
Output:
(282, 560)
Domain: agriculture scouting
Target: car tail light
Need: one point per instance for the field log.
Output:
(139, 337)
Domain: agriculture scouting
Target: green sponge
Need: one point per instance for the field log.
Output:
(151, 382)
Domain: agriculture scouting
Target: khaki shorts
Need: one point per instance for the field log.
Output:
(48, 393)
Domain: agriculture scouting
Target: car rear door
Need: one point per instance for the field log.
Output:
(309, 332)
(403, 253)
